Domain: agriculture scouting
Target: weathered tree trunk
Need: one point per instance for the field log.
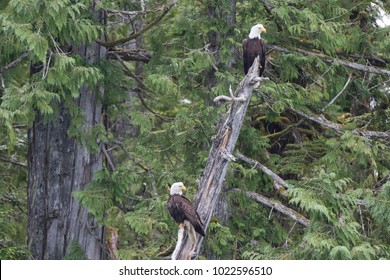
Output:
(214, 174)
(58, 166)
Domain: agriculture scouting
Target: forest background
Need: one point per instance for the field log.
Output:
(104, 104)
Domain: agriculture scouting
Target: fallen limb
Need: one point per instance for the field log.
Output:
(276, 205)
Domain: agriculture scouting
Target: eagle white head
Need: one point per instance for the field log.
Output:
(256, 30)
(177, 188)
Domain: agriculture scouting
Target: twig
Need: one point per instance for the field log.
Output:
(338, 95)
(46, 66)
(108, 157)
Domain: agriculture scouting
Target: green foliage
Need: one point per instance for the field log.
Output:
(160, 131)
(220, 240)
(75, 252)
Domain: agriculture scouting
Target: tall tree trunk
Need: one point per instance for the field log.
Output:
(58, 166)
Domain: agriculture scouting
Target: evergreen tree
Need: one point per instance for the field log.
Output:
(315, 140)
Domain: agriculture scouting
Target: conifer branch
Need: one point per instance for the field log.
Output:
(275, 205)
(329, 59)
(14, 63)
(132, 36)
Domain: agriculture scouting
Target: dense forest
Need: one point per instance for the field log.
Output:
(105, 104)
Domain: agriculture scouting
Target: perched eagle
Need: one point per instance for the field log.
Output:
(182, 209)
(252, 47)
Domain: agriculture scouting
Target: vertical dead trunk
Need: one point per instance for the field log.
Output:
(214, 174)
(58, 166)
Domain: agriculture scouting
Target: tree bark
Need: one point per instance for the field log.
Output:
(59, 166)
(214, 174)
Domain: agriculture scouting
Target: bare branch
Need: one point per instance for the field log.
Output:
(108, 157)
(338, 95)
(338, 127)
(378, 185)
(14, 63)
(130, 55)
(320, 120)
(349, 64)
(277, 206)
(264, 169)
(14, 162)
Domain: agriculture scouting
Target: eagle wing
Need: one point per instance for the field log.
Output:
(251, 48)
(245, 55)
(182, 209)
(262, 57)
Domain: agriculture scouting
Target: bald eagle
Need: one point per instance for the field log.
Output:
(182, 209)
(252, 47)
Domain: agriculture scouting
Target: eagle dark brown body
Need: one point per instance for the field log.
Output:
(182, 209)
(251, 49)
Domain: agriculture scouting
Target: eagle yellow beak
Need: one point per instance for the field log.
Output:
(263, 30)
(183, 188)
